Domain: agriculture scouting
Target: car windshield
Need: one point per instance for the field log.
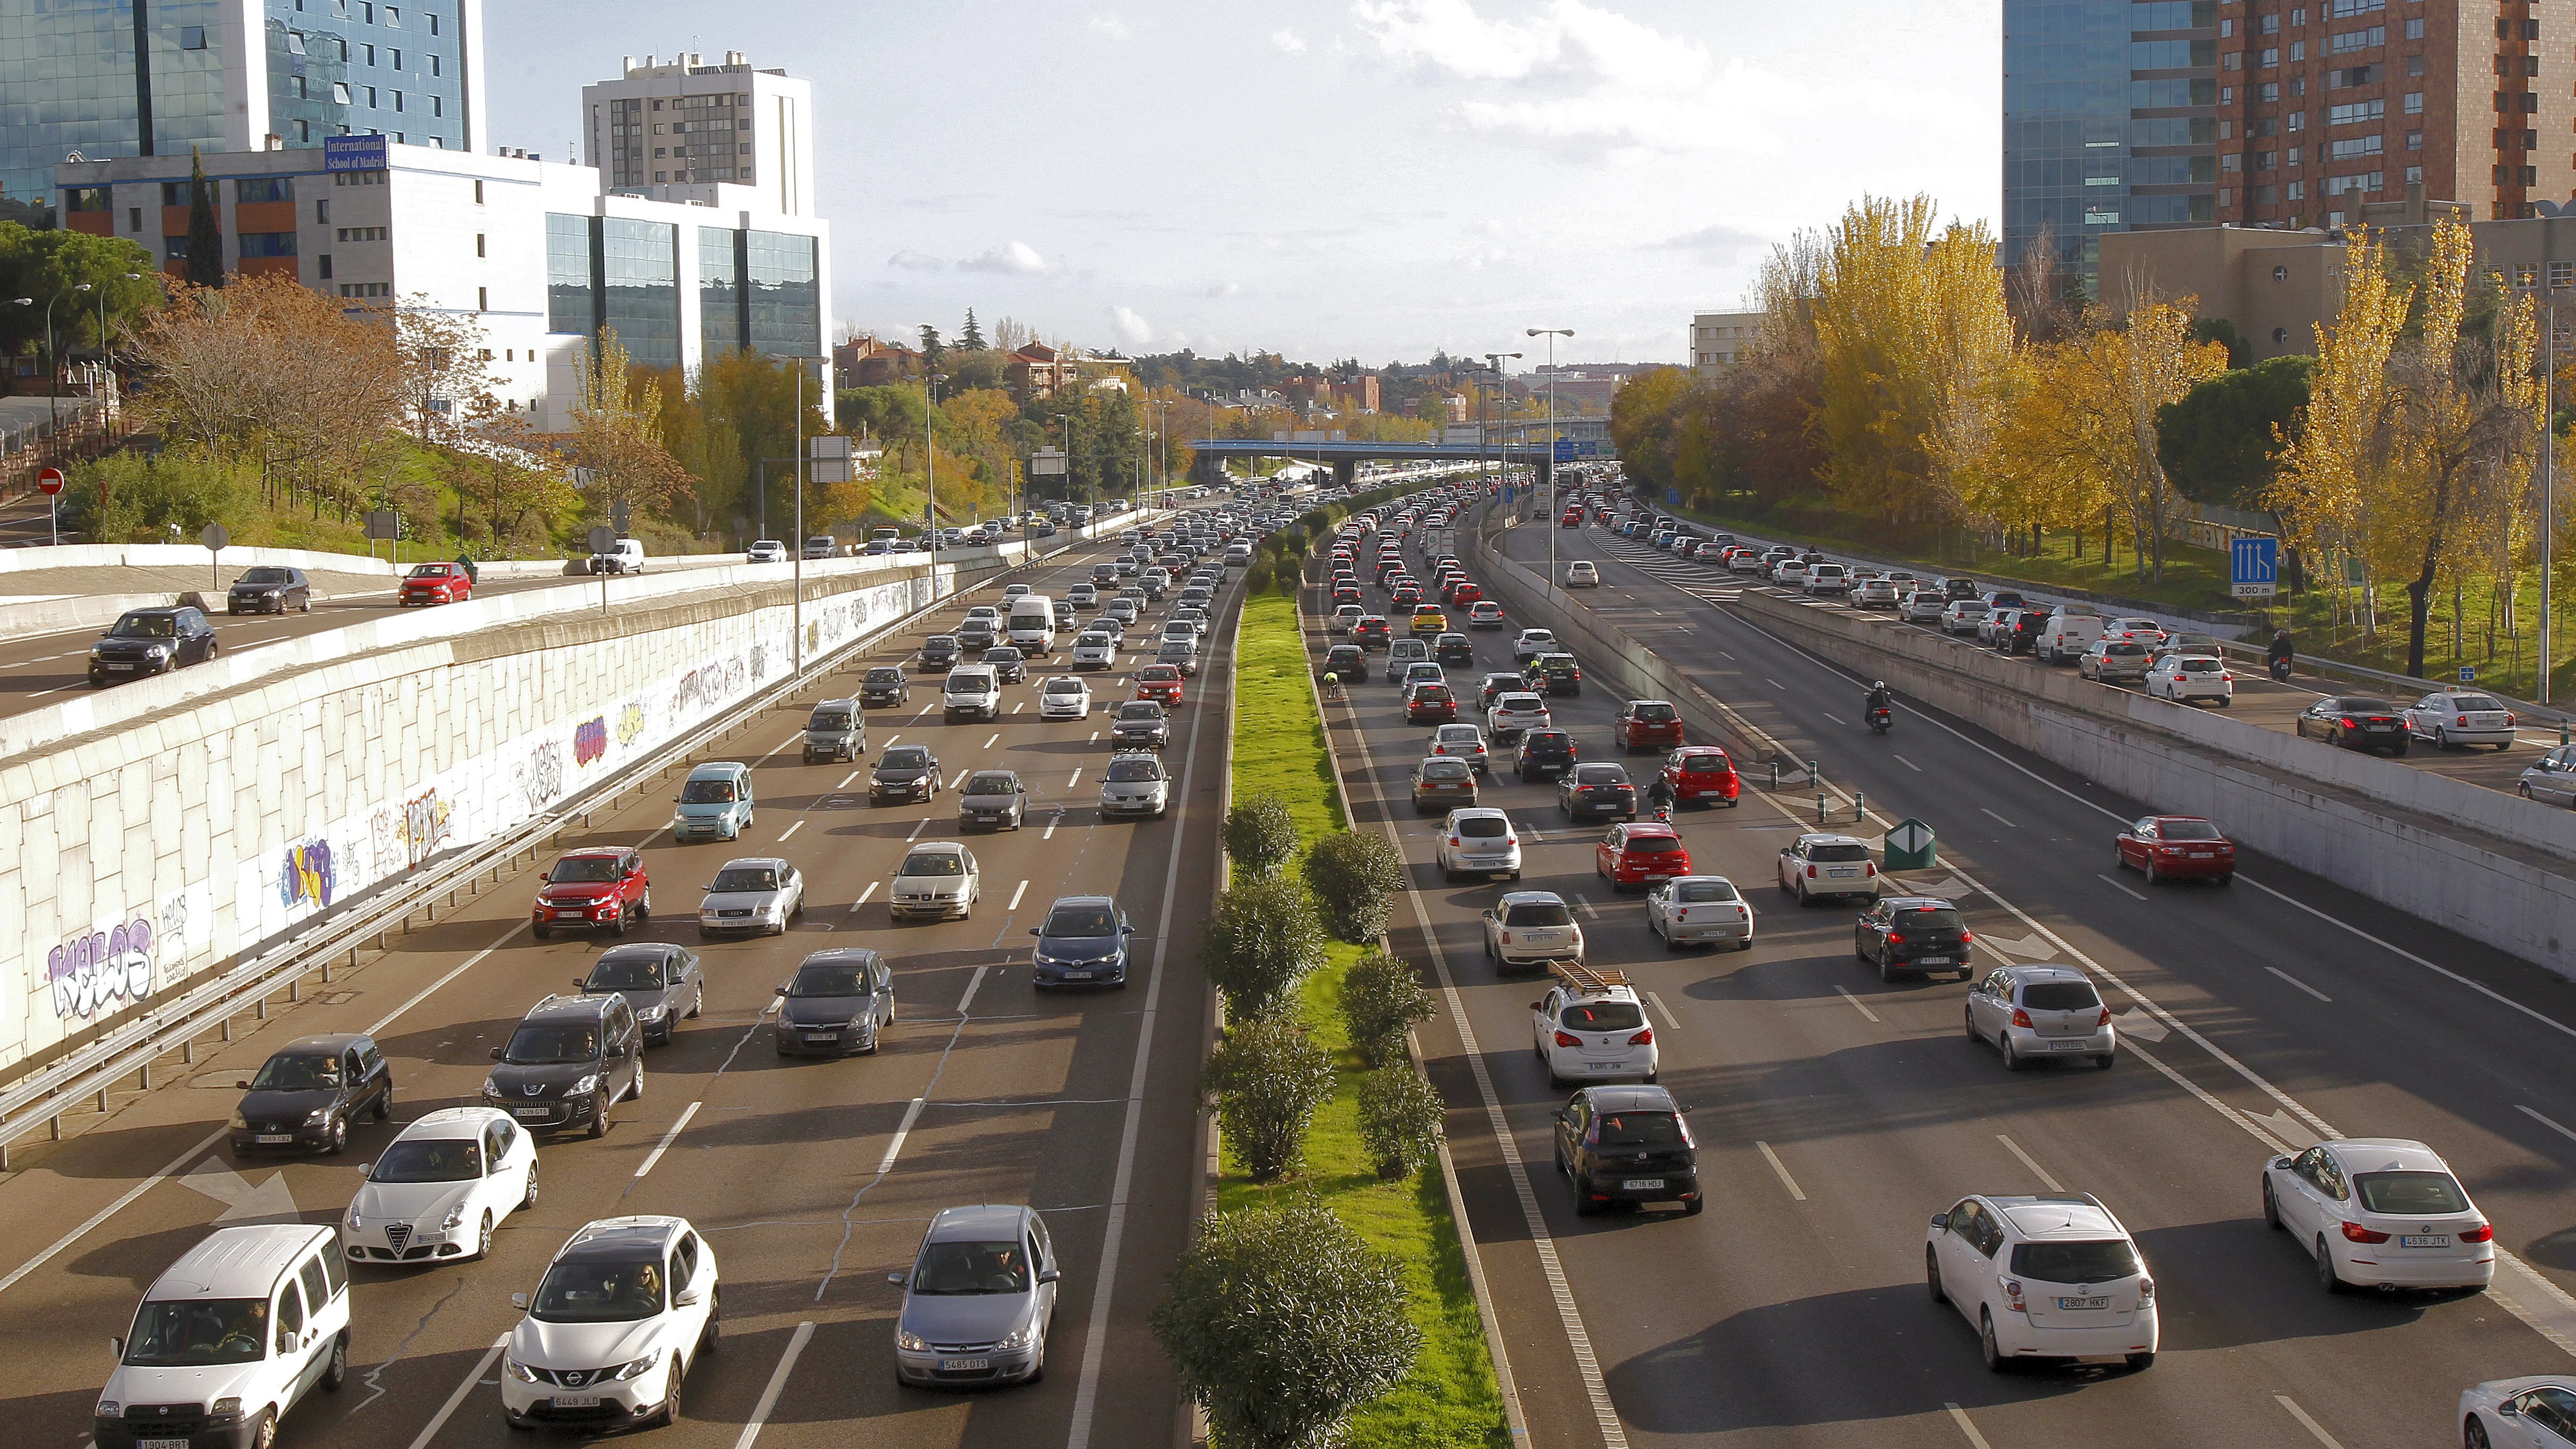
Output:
(1064, 686)
(589, 1291)
(146, 626)
(2409, 1194)
(2473, 701)
(540, 1043)
(432, 571)
(2060, 996)
(430, 1159)
(1094, 640)
(629, 973)
(993, 785)
(2361, 704)
(2125, 650)
(1484, 827)
(707, 792)
(1604, 1016)
(2102, 1260)
(1081, 921)
(1130, 771)
(885, 674)
(1445, 770)
(297, 1072)
(1158, 674)
(1929, 918)
(948, 1269)
(908, 758)
(829, 978)
(1850, 850)
(1705, 764)
(265, 576)
(1546, 741)
(1537, 913)
(2188, 830)
(197, 1333)
(1642, 1129)
(970, 684)
(746, 878)
(1140, 710)
(933, 862)
(1653, 845)
(1701, 892)
(1004, 655)
(829, 720)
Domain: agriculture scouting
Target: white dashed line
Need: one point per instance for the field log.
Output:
(2115, 885)
(2295, 981)
(863, 896)
(1584, 901)
(1077, 774)
(1909, 764)
(791, 830)
(997, 737)
(1786, 1180)
(665, 1144)
(918, 826)
(1959, 1417)
(846, 779)
(1015, 897)
(2030, 1162)
(1835, 718)
(1858, 1005)
(901, 1131)
(2008, 825)
(1669, 1020)
(2313, 1427)
(777, 1385)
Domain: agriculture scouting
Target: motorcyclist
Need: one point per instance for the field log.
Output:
(2280, 654)
(1880, 698)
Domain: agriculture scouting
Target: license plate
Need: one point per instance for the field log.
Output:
(2083, 1302)
(533, 1114)
(963, 1365)
(1841, 874)
(1601, 1066)
(2068, 1046)
(1502, 875)
(2425, 1240)
(1077, 976)
(822, 1036)
(1641, 1184)
(1931, 960)
(2200, 855)
(160, 1444)
(272, 1138)
(120, 666)
(576, 1401)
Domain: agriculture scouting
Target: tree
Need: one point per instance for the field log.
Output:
(1282, 1323)
(1262, 940)
(1401, 1116)
(1382, 999)
(2218, 442)
(205, 240)
(1260, 833)
(50, 266)
(1268, 1078)
(933, 356)
(1355, 875)
(617, 431)
(446, 367)
(1646, 420)
(970, 338)
(2151, 362)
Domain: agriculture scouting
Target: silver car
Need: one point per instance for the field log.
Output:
(1691, 910)
(2551, 779)
(1459, 742)
(992, 800)
(1515, 712)
(1135, 784)
(1478, 841)
(938, 879)
(1064, 697)
(1924, 606)
(2109, 659)
(2451, 717)
(754, 896)
(1095, 650)
(979, 1301)
(2034, 1012)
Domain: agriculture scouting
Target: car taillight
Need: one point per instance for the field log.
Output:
(2012, 1295)
(1507, 938)
(1966, 935)
(2347, 724)
(2146, 1292)
(2482, 1233)
(1568, 1039)
(2020, 1017)
(2509, 718)
(1811, 872)
(1643, 1038)
(1869, 867)
(2462, 720)
(1896, 938)
(2104, 1019)
(2356, 1233)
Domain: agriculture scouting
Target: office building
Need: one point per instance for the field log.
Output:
(106, 79)
(682, 130)
(1719, 340)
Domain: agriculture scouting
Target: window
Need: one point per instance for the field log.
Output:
(2414, 65)
(2267, 24)
(393, 17)
(2339, 9)
(322, 211)
(2525, 274)
(370, 53)
(2266, 160)
(2268, 91)
(2352, 146)
(2269, 57)
(2414, 105)
(340, 92)
(2298, 189)
(2562, 274)
(192, 37)
(2414, 140)
(264, 188)
(398, 104)
(482, 299)
(322, 266)
(2267, 126)
(2415, 29)
(371, 101)
(478, 193)
(2280, 274)
(2414, 175)
(134, 218)
(438, 106)
(2226, 28)
(2298, 51)
(2356, 113)
(2351, 40)
(397, 59)
(2298, 120)
(2294, 155)
(267, 244)
(433, 22)
(478, 245)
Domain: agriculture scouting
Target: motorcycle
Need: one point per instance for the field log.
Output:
(1882, 719)
(2281, 671)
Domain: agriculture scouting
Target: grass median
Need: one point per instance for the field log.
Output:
(1450, 1398)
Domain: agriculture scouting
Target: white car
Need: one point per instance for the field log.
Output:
(2460, 717)
(1790, 573)
(1828, 578)
(1345, 616)
(2136, 631)
(1459, 742)
(1582, 574)
(1064, 697)
(625, 1308)
(1083, 596)
(1997, 621)
(2532, 1410)
(1513, 713)
(248, 1323)
(2043, 1277)
(438, 1190)
(1478, 840)
(2183, 678)
(2032, 1013)
(938, 879)
(1533, 643)
(1592, 1028)
(1963, 616)
(1135, 784)
(2380, 1212)
(1095, 650)
(1924, 606)
(1745, 561)
(1531, 928)
(1691, 910)
(765, 550)
(1814, 866)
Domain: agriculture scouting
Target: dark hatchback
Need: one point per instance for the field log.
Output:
(905, 772)
(2356, 722)
(1010, 666)
(884, 686)
(662, 984)
(1347, 663)
(1082, 943)
(1544, 755)
(1554, 674)
(308, 1092)
(1454, 649)
(939, 654)
(150, 641)
(1627, 1145)
(1140, 724)
(2025, 631)
(1921, 934)
(267, 590)
(838, 1002)
(1597, 790)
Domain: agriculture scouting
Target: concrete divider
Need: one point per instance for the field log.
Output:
(172, 555)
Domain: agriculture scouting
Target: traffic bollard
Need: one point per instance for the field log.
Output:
(1775, 776)
(1860, 806)
(1820, 807)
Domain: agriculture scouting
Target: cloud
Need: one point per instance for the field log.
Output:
(1225, 289)
(1110, 27)
(913, 261)
(1018, 259)
(1289, 41)
(1132, 330)
(1718, 245)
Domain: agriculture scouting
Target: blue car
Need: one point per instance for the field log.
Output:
(715, 803)
(1083, 943)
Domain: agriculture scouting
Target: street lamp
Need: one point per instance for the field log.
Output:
(796, 554)
(2548, 476)
(1551, 334)
(1494, 364)
(930, 474)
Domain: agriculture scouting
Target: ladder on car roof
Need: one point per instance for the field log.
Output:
(1590, 980)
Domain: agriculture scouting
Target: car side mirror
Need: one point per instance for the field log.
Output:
(366, 1170)
(117, 1342)
(1535, 1005)
(519, 1301)
(496, 1056)
(1050, 1275)
(1940, 1220)
(897, 1279)
(1126, 930)
(2508, 1410)
(245, 1086)
(687, 1298)
(1034, 931)
(2280, 1164)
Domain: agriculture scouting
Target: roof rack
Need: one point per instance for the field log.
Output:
(1587, 978)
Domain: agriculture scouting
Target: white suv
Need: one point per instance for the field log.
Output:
(1590, 1027)
(1963, 616)
(624, 1309)
(1531, 928)
(2043, 1277)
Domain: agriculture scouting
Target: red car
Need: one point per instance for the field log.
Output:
(1700, 773)
(1573, 518)
(602, 888)
(1465, 593)
(1647, 724)
(1160, 683)
(2180, 847)
(1370, 632)
(437, 583)
(1640, 855)
(1430, 704)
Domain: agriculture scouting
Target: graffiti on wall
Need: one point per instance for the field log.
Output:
(630, 723)
(428, 822)
(590, 740)
(759, 662)
(101, 971)
(174, 926)
(538, 778)
(306, 877)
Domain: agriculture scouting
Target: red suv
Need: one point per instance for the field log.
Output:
(1647, 724)
(1700, 772)
(437, 583)
(1640, 855)
(1430, 704)
(603, 888)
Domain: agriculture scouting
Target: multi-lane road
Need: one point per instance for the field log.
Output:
(811, 1179)
(1834, 1113)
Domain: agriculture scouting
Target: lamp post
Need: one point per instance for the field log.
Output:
(2548, 478)
(930, 473)
(796, 552)
(1494, 364)
(1551, 334)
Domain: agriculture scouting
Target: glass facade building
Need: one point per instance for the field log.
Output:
(719, 291)
(571, 302)
(783, 302)
(639, 288)
(756, 291)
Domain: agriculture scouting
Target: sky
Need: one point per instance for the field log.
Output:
(1321, 178)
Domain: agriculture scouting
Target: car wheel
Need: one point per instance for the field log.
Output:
(338, 1373)
(635, 1089)
(1987, 1349)
(2150, 869)
(2271, 1206)
(2474, 1436)
(541, 933)
(264, 1436)
(623, 921)
(2012, 1058)
(599, 1120)
(670, 1414)
(1803, 902)
(1886, 968)
(384, 1104)
(528, 1197)
(2398, 753)
(483, 1237)
(1584, 1206)
(2327, 1277)
(2103, 1062)
(2227, 879)
(337, 1140)
(1932, 1274)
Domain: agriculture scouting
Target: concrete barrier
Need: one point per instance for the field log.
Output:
(171, 555)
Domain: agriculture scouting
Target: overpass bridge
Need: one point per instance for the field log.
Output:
(1345, 458)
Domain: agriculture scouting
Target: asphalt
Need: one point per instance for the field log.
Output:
(1835, 1112)
(801, 1173)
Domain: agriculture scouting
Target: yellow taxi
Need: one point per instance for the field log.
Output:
(1430, 619)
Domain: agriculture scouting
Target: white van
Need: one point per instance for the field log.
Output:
(626, 556)
(972, 691)
(1032, 623)
(229, 1338)
(2071, 629)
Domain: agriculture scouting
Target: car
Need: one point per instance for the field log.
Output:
(1689, 909)
(2359, 722)
(267, 590)
(971, 692)
(437, 1191)
(884, 687)
(1994, 621)
(939, 654)
(1013, 591)
(1460, 742)
(1746, 561)
(2457, 717)
(1123, 610)
(2107, 659)
(1430, 702)
(2380, 1212)
(1082, 942)
(308, 1092)
(1476, 840)
(1517, 711)
(821, 546)
(904, 772)
(1914, 935)
(595, 888)
(568, 1062)
(1064, 697)
(2184, 678)
(627, 1305)
(979, 1303)
(1454, 649)
(1698, 773)
(2176, 847)
(1427, 621)
(1008, 664)
(1346, 663)
(1440, 783)
(151, 641)
(662, 983)
(1827, 578)
(1544, 754)
(1370, 631)
(1590, 1026)
(835, 731)
(2136, 631)
(716, 802)
(1405, 594)
(1095, 649)
(1403, 654)
(1923, 606)
(1531, 928)
(1595, 790)
(436, 583)
(2024, 633)
(1532, 643)
(840, 1001)
(1083, 596)
(1484, 614)
(2043, 1276)
(229, 1339)
(1964, 616)
(1877, 592)
(1640, 855)
(975, 635)
(1180, 654)
(2550, 779)
(1135, 784)
(992, 800)
(2537, 1410)
(1627, 1144)
(1494, 686)
(1647, 724)
(1554, 674)
(1160, 683)
(938, 879)
(1790, 573)
(1139, 724)
(2036, 1012)
(1466, 595)
(1816, 866)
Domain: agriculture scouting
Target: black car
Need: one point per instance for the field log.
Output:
(1497, 685)
(266, 590)
(661, 983)
(308, 1092)
(2025, 631)
(1139, 724)
(1913, 933)
(1554, 674)
(837, 1003)
(993, 800)
(1544, 755)
(1347, 663)
(1627, 1144)
(905, 772)
(1956, 589)
(1454, 649)
(150, 641)
(1597, 790)
(570, 1060)
(939, 654)
(2355, 721)
(882, 686)
(977, 635)
(1009, 664)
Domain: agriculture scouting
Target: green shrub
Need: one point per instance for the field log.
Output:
(1262, 940)
(1261, 833)
(1382, 999)
(1400, 1119)
(1268, 1078)
(1355, 875)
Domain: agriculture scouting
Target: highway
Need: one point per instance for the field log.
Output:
(811, 1179)
(1835, 1112)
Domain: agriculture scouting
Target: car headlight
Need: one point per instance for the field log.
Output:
(158, 651)
(586, 1085)
(1043, 959)
(1020, 1337)
(240, 1122)
(653, 1013)
(517, 1370)
(455, 1218)
(910, 1342)
(639, 1367)
(109, 1409)
(317, 1116)
(491, 1087)
(225, 1408)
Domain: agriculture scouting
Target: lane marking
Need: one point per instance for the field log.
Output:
(2313, 1427)
(2115, 885)
(890, 739)
(1775, 684)
(1835, 718)
(2295, 981)
(665, 1144)
(1015, 709)
(846, 779)
(468, 964)
(2030, 1162)
(1786, 1180)
(918, 826)
(2008, 825)
(996, 739)
(1909, 764)
(1077, 774)
(1049, 832)
(140, 1188)
(791, 830)
(1858, 1005)
(1585, 902)
(1095, 734)
(438, 1421)
(1967, 1426)
(972, 982)
(902, 1130)
(2526, 1111)
(962, 773)
(1669, 1019)
(1015, 897)
(777, 1382)
(863, 895)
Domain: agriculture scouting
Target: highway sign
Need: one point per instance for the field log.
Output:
(827, 458)
(603, 539)
(1047, 463)
(1909, 845)
(215, 537)
(2253, 567)
(49, 481)
(383, 523)
(2468, 675)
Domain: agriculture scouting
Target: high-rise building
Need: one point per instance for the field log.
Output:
(115, 78)
(1719, 340)
(680, 130)
(2110, 121)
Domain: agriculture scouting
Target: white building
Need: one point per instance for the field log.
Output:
(725, 135)
(1719, 340)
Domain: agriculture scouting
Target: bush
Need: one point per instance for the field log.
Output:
(1256, 577)
(1282, 1322)
(1260, 833)
(1262, 939)
(1355, 875)
(1268, 1078)
(1381, 1001)
(1400, 1119)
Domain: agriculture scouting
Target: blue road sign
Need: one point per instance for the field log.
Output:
(2468, 675)
(2253, 567)
(1565, 450)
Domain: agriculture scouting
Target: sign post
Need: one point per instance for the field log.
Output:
(49, 481)
(2253, 567)
(603, 540)
(214, 536)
